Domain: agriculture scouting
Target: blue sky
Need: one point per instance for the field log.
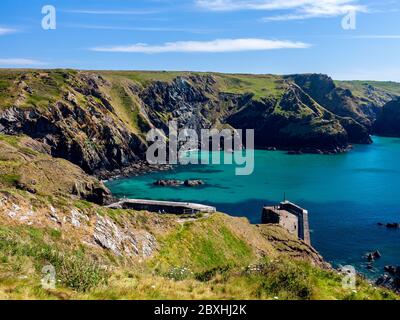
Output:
(244, 36)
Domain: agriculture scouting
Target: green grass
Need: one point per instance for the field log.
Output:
(24, 246)
(11, 140)
(9, 179)
(359, 88)
(258, 85)
(146, 77)
(203, 245)
(127, 107)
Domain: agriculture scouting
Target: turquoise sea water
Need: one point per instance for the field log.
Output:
(346, 195)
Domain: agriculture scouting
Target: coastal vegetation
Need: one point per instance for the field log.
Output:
(60, 129)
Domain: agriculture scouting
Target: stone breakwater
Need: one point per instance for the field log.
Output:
(162, 206)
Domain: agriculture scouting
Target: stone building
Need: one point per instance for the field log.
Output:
(291, 217)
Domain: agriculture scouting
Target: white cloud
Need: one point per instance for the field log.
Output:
(378, 36)
(4, 31)
(112, 12)
(297, 9)
(144, 29)
(19, 62)
(214, 46)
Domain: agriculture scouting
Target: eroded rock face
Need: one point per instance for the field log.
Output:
(123, 242)
(92, 141)
(122, 239)
(388, 121)
(337, 100)
(99, 131)
(279, 124)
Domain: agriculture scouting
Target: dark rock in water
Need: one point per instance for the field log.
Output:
(377, 254)
(193, 183)
(178, 183)
(168, 183)
(372, 256)
(380, 224)
(370, 266)
(393, 225)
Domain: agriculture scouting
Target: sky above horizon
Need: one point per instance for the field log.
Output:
(235, 36)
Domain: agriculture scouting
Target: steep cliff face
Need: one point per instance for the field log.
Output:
(98, 120)
(388, 122)
(26, 166)
(338, 100)
(297, 121)
(77, 122)
(371, 96)
(185, 100)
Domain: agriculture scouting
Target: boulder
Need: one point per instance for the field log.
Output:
(193, 183)
(372, 256)
(168, 183)
(377, 254)
(390, 269)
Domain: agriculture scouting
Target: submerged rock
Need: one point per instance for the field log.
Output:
(168, 183)
(371, 256)
(193, 183)
(177, 183)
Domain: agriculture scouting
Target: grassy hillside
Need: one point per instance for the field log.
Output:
(100, 253)
(359, 87)
(375, 92)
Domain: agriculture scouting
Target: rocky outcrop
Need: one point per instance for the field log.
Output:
(177, 183)
(168, 183)
(296, 121)
(391, 278)
(38, 173)
(81, 129)
(388, 121)
(123, 242)
(193, 183)
(337, 100)
(183, 100)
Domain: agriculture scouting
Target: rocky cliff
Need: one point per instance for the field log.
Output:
(98, 120)
(388, 121)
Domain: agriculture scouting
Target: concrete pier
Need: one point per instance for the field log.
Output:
(291, 217)
(162, 206)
